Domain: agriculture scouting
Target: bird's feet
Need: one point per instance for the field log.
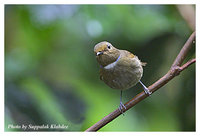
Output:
(146, 90)
(121, 106)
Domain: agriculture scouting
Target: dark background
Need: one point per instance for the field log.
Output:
(51, 75)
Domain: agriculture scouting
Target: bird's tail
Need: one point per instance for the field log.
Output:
(143, 63)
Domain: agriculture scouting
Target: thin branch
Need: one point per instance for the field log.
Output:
(181, 56)
(174, 71)
(187, 64)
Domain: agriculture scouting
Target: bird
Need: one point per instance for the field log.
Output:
(119, 69)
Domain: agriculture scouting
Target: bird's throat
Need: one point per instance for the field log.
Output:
(107, 58)
(112, 65)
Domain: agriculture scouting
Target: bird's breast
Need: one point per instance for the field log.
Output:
(122, 74)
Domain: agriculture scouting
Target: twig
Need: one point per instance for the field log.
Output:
(181, 56)
(187, 64)
(174, 71)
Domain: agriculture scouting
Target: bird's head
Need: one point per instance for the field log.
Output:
(106, 53)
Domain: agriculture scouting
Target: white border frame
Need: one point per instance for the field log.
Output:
(197, 2)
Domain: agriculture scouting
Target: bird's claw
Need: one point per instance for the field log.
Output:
(121, 106)
(146, 90)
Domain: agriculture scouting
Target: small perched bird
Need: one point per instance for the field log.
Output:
(119, 69)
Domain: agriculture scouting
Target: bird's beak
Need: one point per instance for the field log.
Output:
(99, 53)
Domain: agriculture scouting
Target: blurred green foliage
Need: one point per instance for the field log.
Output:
(51, 75)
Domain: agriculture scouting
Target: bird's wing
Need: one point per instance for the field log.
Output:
(126, 54)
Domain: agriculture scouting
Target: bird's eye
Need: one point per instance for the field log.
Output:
(108, 46)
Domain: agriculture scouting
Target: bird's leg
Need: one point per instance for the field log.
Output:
(146, 90)
(121, 105)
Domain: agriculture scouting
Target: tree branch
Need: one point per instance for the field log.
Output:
(174, 71)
